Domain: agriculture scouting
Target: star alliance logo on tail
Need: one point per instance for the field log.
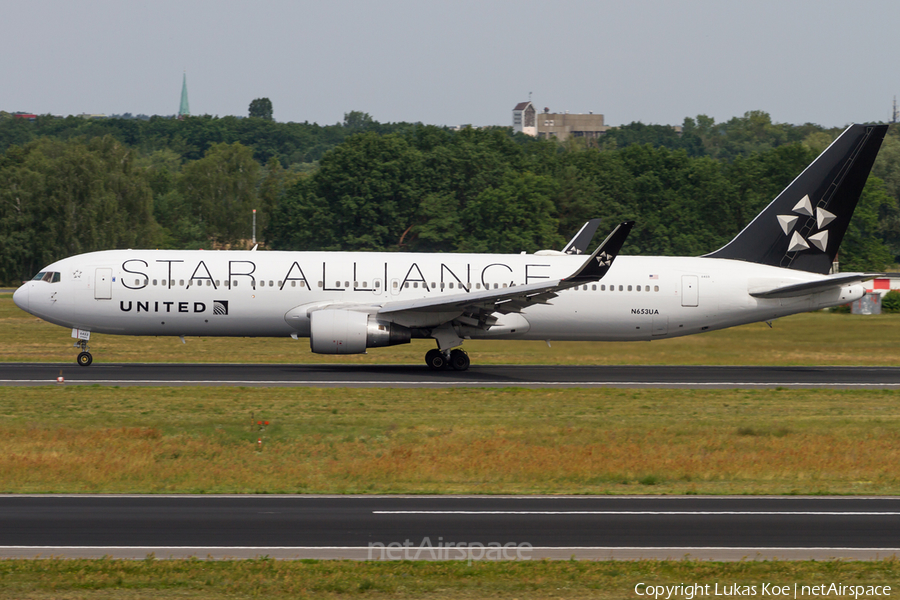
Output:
(220, 307)
(823, 218)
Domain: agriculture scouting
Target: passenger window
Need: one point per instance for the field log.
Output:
(377, 285)
(234, 283)
(302, 283)
(320, 284)
(594, 288)
(629, 288)
(451, 285)
(395, 285)
(181, 283)
(477, 286)
(208, 283)
(136, 282)
(262, 283)
(655, 288)
(433, 285)
(293, 284)
(406, 284)
(365, 284)
(603, 288)
(154, 282)
(620, 288)
(496, 286)
(346, 284)
(217, 283)
(638, 288)
(415, 284)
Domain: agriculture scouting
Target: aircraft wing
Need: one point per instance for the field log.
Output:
(475, 308)
(812, 287)
(579, 244)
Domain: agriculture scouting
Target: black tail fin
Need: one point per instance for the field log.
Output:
(803, 227)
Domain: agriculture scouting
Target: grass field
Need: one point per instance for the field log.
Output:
(819, 338)
(63, 579)
(595, 441)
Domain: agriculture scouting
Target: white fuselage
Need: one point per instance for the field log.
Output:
(238, 293)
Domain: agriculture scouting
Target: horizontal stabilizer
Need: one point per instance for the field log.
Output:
(814, 287)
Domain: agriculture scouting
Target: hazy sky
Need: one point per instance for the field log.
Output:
(822, 61)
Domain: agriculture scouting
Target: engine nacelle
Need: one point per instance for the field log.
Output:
(351, 332)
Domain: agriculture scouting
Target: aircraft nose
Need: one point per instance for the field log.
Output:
(20, 297)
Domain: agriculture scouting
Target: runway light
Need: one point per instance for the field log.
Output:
(60, 379)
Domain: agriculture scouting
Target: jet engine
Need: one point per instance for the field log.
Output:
(334, 331)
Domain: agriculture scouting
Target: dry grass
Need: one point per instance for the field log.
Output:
(447, 441)
(808, 339)
(119, 579)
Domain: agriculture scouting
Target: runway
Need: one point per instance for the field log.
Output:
(705, 377)
(450, 527)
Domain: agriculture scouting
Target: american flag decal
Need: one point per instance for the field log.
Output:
(654, 277)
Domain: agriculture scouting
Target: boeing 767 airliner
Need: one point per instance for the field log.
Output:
(346, 302)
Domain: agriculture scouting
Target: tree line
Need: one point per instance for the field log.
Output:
(73, 185)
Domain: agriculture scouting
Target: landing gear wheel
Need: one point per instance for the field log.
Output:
(459, 360)
(435, 359)
(85, 359)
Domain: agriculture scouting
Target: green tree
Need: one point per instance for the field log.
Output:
(358, 121)
(62, 198)
(220, 190)
(862, 248)
(261, 108)
(514, 217)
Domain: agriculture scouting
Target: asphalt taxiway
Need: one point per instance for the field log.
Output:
(450, 527)
(706, 377)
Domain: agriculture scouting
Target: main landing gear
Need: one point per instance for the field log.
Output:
(84, 357)
(457, 359)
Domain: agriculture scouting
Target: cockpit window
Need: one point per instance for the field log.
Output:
(48, 276)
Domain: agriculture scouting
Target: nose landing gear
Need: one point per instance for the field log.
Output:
(84, 357)
(437, 360)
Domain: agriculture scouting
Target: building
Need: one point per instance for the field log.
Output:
(523, 119)
(560, 126)
(563, 125)
(184, 110)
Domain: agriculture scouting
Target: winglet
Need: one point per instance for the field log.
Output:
(602, 259)
(579, 243)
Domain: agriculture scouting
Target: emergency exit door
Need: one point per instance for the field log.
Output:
(690, 290)
(103, 284)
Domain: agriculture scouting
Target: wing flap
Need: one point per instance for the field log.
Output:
(478, 306)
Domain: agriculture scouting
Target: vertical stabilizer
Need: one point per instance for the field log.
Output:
(803, 227)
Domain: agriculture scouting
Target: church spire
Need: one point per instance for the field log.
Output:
(184, 110)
